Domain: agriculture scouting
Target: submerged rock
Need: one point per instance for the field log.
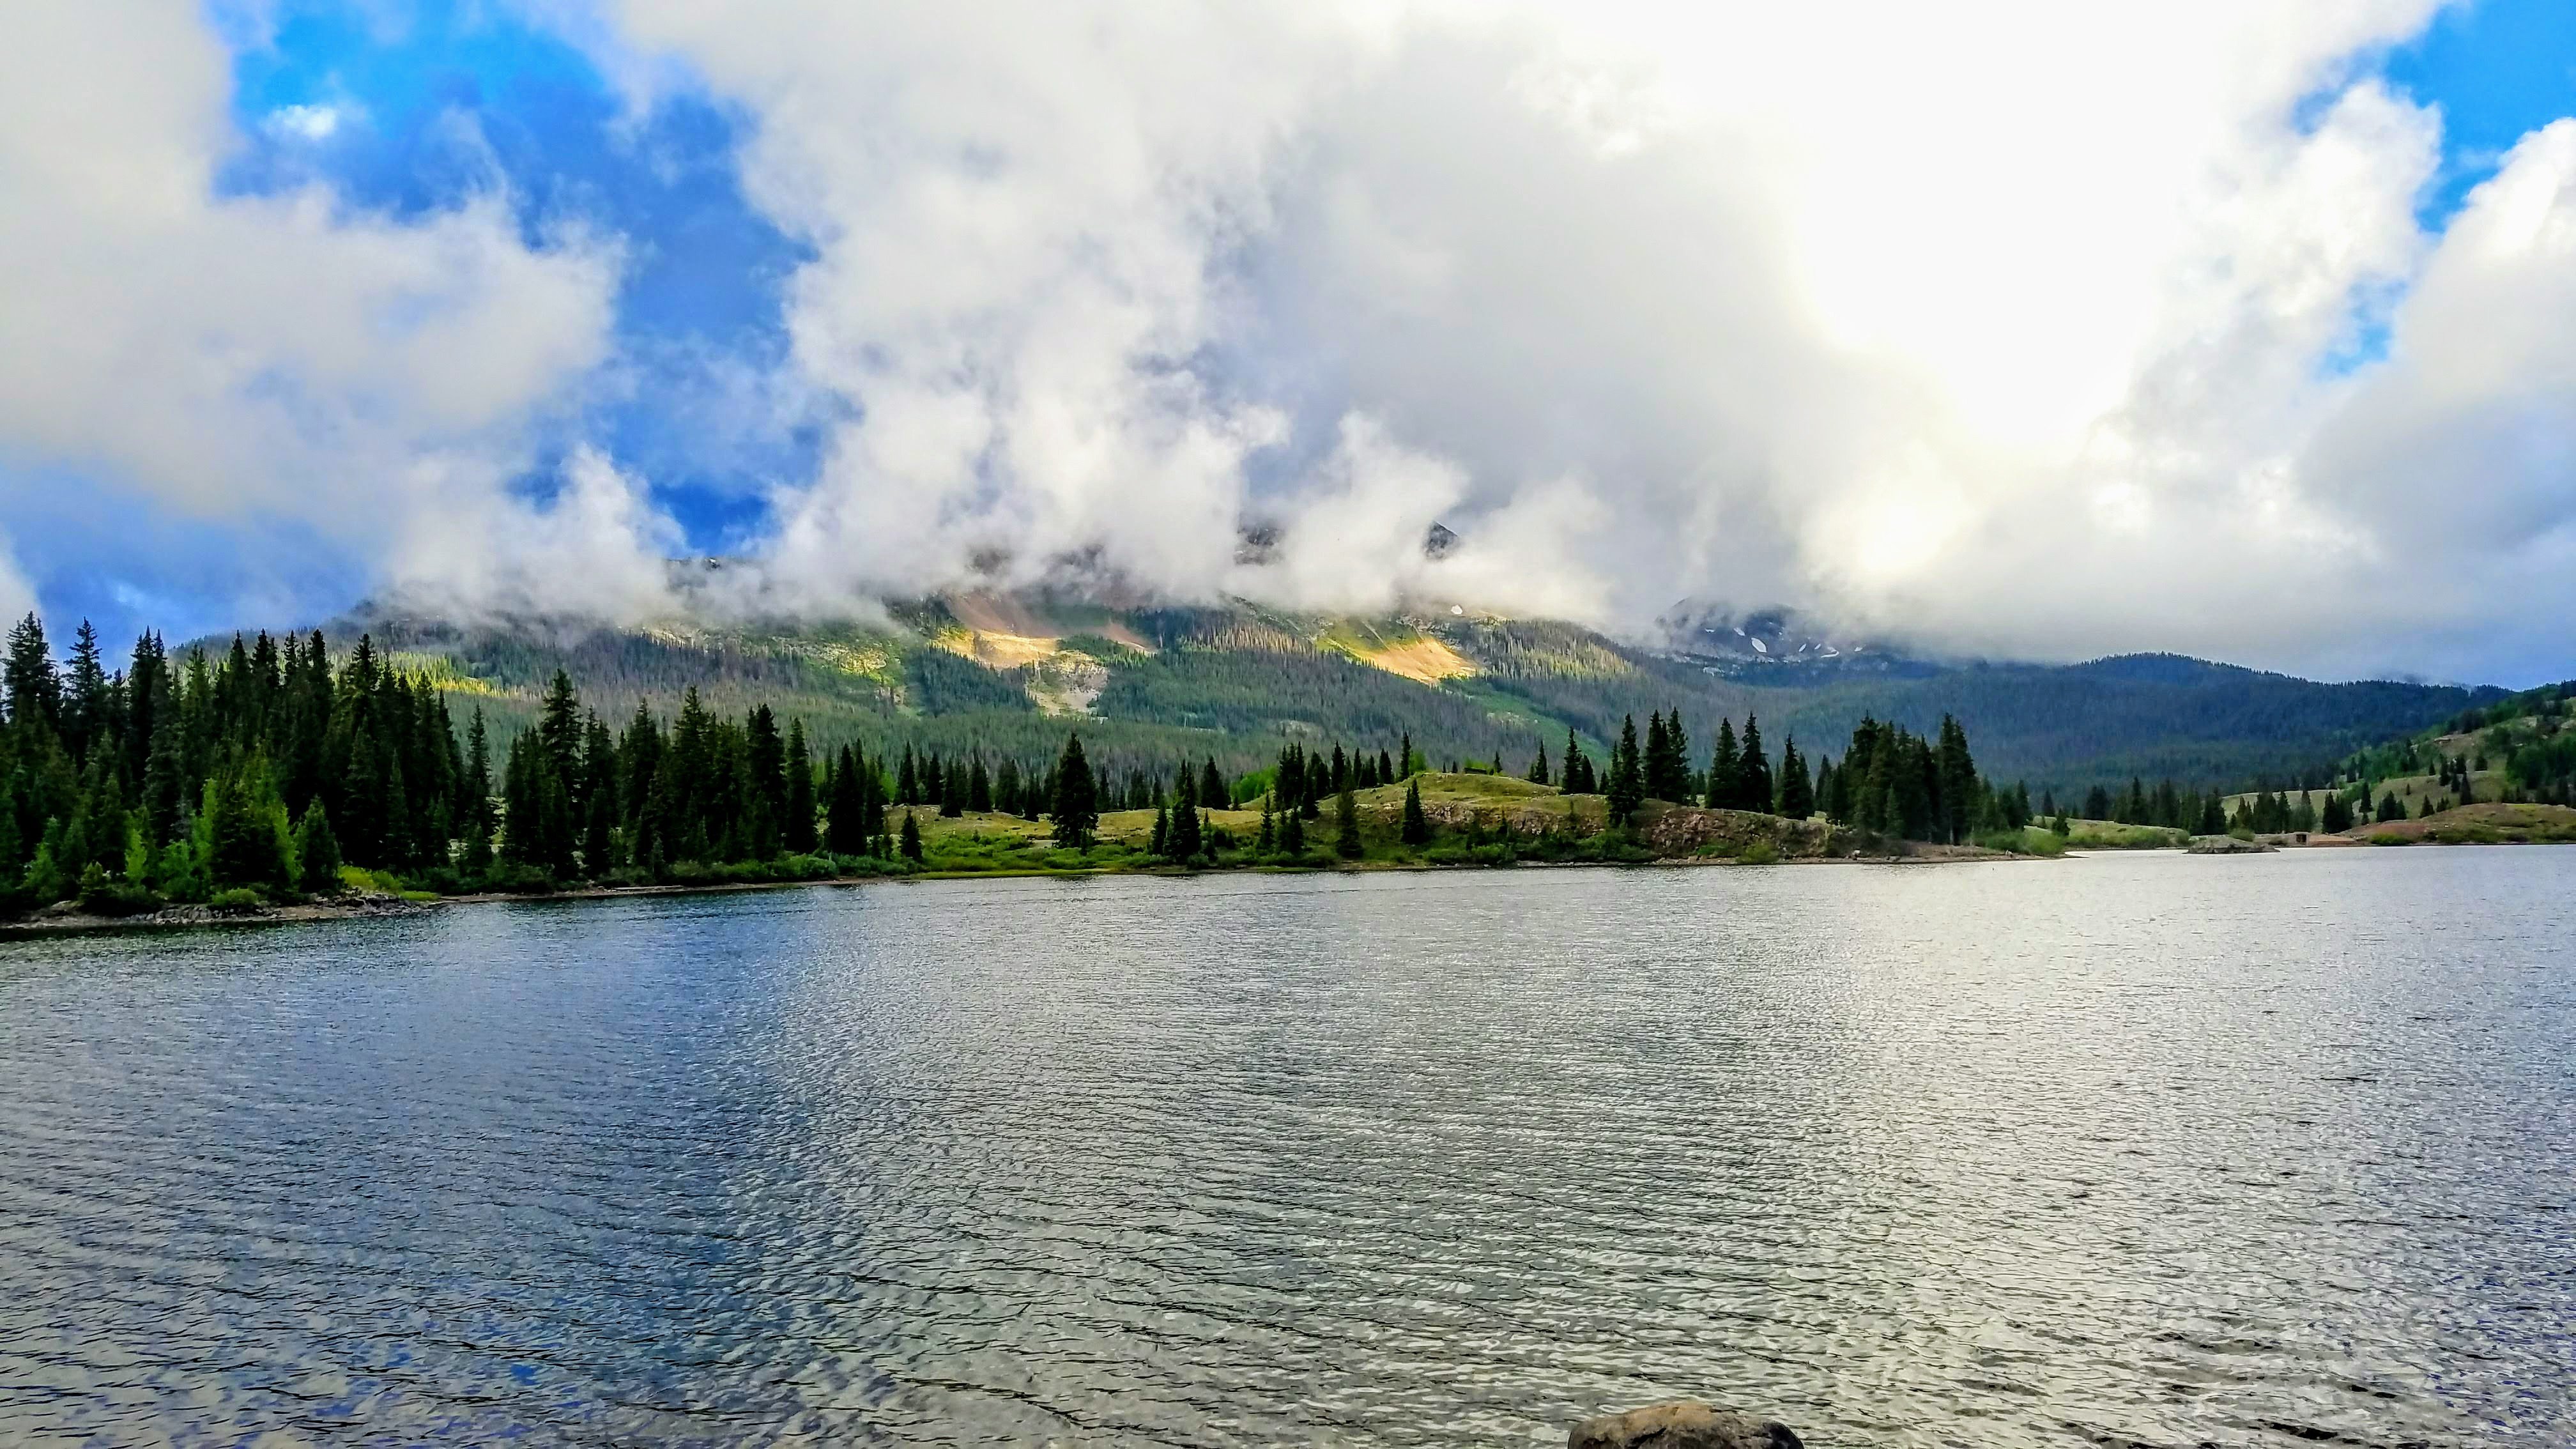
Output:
(1682, 1424)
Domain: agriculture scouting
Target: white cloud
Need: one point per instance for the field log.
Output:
(2011, 325)
(305, 123)
(595, 549)
(17, 596)
(275, 356)
(2014, 326)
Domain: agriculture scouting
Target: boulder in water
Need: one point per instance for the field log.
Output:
(1682, 1424)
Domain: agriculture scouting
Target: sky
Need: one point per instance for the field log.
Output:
(2241, 328)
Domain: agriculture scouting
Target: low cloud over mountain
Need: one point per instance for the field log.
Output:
(2017, 330)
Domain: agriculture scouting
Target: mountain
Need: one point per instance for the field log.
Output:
(1150, 683)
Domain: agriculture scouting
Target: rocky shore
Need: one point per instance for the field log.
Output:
(68, 919)
(1682, 1424)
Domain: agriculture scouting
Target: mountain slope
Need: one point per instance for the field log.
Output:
(1147, 685)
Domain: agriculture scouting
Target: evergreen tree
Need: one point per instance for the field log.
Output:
(847, 830)
(317, 853)
(1956, 782)
(1346, 825)
(1077, 811)
(1627, 774)
(1212, 791)
(1417, 827)
(1797, 795)
(1753, 788)
(1411, 764)
(1538, 765)
(86, 716)
(911, 846)
(1269, 828)
(979, 784)
(1292, 834)
(797, 831)
(33, 688)
(2336, 818)
(952, 788)
(1186, 840)
(907, 781)
(244, 830)
(1659, 766)
(1725, 778)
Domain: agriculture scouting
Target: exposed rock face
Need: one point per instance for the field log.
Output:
(1682, 1424)
(1689, 830)
(2226, 845)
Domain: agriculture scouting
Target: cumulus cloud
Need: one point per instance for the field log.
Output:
(2003, 326)
(17, 596)
(1914, 315)
(270, 355)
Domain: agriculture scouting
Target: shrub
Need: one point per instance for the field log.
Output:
(117, 898)
(239, 901)
(1760, 852)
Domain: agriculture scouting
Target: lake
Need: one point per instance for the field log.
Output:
(2148, 1150)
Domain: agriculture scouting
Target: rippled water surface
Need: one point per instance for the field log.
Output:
(2149, 1150)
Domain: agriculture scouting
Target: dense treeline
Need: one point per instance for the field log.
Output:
(1890, 782)
(264, 768)
(276, 767)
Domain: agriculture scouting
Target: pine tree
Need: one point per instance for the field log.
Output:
(1538, 765)
(1658, 768)
(1956, 779)
(1627, 789)
(85, 709)
(1753, 788)
(1724, 779)
(317, 853)
(797, 831)
(1077, 809)
(33, 688)
(1269, 828)
(1160, 842)
(1411, 764)
(1292, 834)
(1212, 791)
(1346, 825)
(1417, 826)
(1186, 839)
(1797, 795)
(911, 846)
(979, 785)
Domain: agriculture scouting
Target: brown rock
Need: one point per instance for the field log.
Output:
(1681, 1424)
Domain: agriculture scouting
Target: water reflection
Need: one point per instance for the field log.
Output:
(2153, 1151)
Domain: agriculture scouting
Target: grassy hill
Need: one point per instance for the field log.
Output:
(2508, 747)
(1010, 674)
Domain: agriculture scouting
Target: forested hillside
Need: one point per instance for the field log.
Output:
(1001, 674)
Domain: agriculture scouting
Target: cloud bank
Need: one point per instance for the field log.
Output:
(2009, 328)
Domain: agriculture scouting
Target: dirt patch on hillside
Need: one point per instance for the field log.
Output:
(1423, 659)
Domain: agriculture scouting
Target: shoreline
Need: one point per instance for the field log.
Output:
(374, 906)
(371, 906)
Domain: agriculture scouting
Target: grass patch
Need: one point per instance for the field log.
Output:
(2112, 835)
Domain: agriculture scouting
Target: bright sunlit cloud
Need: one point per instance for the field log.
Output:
(2012, 328)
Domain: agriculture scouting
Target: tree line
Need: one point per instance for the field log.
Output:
(273, 767)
